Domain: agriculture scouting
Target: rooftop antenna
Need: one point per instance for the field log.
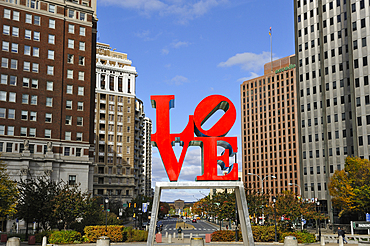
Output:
(270, 33)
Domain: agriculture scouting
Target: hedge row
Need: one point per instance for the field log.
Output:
(115, 233)
(263, 234)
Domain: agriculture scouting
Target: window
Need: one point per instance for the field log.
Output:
(67, 150)
(82, 31)
(68, 104)
(71, 28)
(2, 113)
(49, 102)
(47, 133)
(70, 58)
(23, 131)
(51, 23)
(4, 79)
(13, 80)
(71, 13)
(36, 36)
(10, 131)
(11, 113)
(35, 67)
(36, 51)
(25, 98)
(7, 14)
(34, 84)
(82, 45)
(14, 48)
(2, 132)
(27, 50)
(15, 15)
(33, 100)
(354, 26)
(5, 46)
(67, 136)
(32, 132)
(69, 74)
(51, 39)
(13, 64)
(49, 85)
(82, 16)
(71, 43)
(36, 20)
(51, 54)
(51, 8)
(69, 89)
(79, 136)
(72, 180)
(33, 116)
(80, 121)
(12, 96)
(355, 45)
(50, 70)
(80, 91)
(15, 31)
(81, 75)
(48, 117)
(28, 19)
(26, 66)
(4, 62)
(6, 29)
(364, 42)
(27, 34)
(24, 115)
(81, 60)
(80, 106)
(68, 120)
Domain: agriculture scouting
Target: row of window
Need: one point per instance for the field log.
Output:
(32, 99)
(31, 132)
(310, 153)
(110, 192)
(110, 160)
(37, 19)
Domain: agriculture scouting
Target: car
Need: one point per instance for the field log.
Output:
(194, 221)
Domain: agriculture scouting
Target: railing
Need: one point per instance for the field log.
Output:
(333, 238)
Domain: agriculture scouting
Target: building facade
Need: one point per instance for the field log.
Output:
(147, 165)
(119, 128)
(47, 89)
(333, 83)
(270, 146)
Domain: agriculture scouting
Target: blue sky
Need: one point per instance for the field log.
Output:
(193, 49)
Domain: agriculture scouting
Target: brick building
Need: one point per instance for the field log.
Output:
(47, 88)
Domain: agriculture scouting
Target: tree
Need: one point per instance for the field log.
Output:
(8, 194)
(350, 188)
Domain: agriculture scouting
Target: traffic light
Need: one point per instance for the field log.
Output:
(134, 205)
(129, 205)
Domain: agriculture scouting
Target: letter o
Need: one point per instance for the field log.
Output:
(206, 108)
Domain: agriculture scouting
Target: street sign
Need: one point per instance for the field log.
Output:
(145, 207)
(358, 225)
(304, 221)
(367, 217)
(125, 205)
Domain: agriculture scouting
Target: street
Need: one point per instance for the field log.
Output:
(199, 229)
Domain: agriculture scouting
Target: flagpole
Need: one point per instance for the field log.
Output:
(271, 47)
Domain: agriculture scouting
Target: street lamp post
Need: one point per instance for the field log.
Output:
(300, 192)
(106, 214)
(262, 179)
(274, 201)
(318, 204)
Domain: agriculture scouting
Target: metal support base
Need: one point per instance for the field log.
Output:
(240, 199)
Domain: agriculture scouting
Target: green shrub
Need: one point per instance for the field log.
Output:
(62, 237)
(136, 235)
(115, 233)
(260, 234)
(302, 237)
(40, 235)
(223, 236)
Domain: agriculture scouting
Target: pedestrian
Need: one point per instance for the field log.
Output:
(341, 233)
(179, 230)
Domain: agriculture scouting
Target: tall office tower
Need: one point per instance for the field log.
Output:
(147, 157)
(47, 89)
(118, 127)
(333, 85)
(270, 147)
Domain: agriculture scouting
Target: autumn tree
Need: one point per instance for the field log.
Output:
(350, 187)
(8, 194)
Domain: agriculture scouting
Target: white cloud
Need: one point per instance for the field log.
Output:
(248, 61)
(179, 44)
(252, 76)
(178, 80)
(165, 51)
(183, 10)
(146, 35)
